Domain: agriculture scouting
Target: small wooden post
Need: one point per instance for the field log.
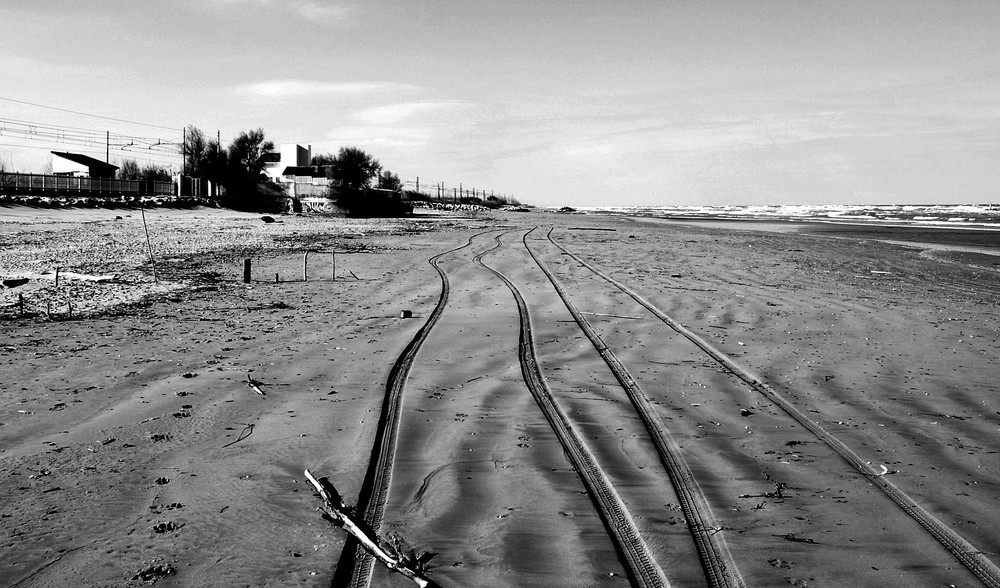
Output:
(69, 302)
(48, 309)
(333, 272)
(276, 280)
(246, 271)
(20, 304)
(57, 276)
(305, 266)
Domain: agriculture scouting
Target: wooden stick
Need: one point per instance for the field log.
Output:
(305, 266)
(333, 272)
(246, 271)
(255, 385)
(338, 513)
(57, 276)
(20, 304)
(149, 245)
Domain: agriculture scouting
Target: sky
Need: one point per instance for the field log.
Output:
(555, 102)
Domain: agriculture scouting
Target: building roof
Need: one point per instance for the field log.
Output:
(84, 160)
(304, 170)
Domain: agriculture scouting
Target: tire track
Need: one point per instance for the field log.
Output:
(642, 569)
(720, 569)
(972, 558)
(354, 567)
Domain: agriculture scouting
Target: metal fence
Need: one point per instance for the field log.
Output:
(53, 185)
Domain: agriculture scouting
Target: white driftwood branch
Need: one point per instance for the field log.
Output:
(252, 383)
(338, 513)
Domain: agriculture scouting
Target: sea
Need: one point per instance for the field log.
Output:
(956, 216)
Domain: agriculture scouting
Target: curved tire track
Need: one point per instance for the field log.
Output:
(642, 568)
(354, 568)
(720, 569)
(972, 558)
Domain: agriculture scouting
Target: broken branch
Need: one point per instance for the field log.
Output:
(338, 513)
(255, 385)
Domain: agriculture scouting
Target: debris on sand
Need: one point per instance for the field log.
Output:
(154, 573)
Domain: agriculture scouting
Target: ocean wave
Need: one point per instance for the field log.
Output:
(944, 215)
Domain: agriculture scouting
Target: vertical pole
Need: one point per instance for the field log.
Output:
(305, 266)
(20, 304)
(57, 276)
(333, 272)
(149, 245)
(418, 184)
(184, 159)
(246, 271)
(107, 151)
(218, 145)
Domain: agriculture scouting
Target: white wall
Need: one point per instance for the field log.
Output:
(65, 166)
(295, 155)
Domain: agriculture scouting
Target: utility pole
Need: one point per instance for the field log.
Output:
(107, 151)
(184, 159)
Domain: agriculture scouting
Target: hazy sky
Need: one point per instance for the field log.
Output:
(558, 102)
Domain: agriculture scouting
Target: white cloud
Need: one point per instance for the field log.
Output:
(402, 137)
(314, 11)
(394, 113)
(293, 88)
(326, 13)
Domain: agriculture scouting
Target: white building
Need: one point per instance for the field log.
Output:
(290, 155)
(293, 171)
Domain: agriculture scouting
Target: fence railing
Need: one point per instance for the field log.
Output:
(18, 183)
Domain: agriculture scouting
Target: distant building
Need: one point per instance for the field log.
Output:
(289, 155)
(293, 171)
(77, 165)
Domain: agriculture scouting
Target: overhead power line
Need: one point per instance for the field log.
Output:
(121, 120)
(115, 154)
(16, 124)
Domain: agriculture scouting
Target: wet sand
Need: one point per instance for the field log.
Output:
(126, 444)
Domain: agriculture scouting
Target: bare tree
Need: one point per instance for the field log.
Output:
(129, 170)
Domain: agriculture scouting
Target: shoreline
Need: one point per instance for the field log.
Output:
(970, 239)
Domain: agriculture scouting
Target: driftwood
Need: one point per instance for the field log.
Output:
(252, 383)
(412, 566)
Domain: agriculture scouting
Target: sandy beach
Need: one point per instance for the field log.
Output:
(577, 400)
